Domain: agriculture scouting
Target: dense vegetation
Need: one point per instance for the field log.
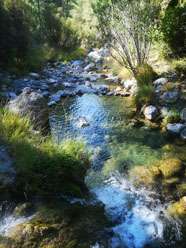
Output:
(34, 31)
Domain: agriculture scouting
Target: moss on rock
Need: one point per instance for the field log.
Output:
(171, 167)
(63, 226)
(141, 176)
(178, 209)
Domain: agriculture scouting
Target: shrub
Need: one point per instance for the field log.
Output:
(173, 26)
(144, 75)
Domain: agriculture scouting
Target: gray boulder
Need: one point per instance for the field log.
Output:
(175, 128)
(90, 67)
(95, 56)
(170, 96)
(129, 84)
(34, 75)
(151, 112)
(160, 81)
(33, 105)
(77, 63)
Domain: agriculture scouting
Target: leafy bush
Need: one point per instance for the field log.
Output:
(173, 26)
(144, 75)
(41, 164)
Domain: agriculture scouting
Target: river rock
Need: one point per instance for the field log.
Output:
(175, 128)
(113, 79)
(23, 209)
(178, 209)
(170, 96)
(129, 84)
(90, 67)
(31, 104)
(160, 81)
(183, 134)
(183, 114)
(151, 112)
(51, 81)
(46, 93)
(77, 63)
(95, 56)
(171, 167)
(34, 75)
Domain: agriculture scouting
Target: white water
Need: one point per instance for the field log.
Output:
(7, 223)
(138, 219)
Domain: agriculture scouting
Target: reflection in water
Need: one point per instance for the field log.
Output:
(117, 143)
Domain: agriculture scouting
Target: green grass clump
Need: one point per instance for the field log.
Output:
(41, 164)
(173, 116)
(144, 75)
(143, 95)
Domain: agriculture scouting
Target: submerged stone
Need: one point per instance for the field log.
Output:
(141, 176)
(178, 209)
(171, 167)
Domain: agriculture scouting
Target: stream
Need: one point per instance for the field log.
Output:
(118, 142)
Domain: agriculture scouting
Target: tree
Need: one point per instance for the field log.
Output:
(128, 28)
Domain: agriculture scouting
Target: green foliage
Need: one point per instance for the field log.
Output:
(173, 26)
(59, 32)
(173, 116)
(54, 54)
(51, 25)
(41, 164)
(144, 75)
(143, 95)
(85, 21)
(180, 67)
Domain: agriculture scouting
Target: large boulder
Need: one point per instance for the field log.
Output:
(33, 105)
(151, 112)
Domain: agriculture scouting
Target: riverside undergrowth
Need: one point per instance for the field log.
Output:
(41, 164)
